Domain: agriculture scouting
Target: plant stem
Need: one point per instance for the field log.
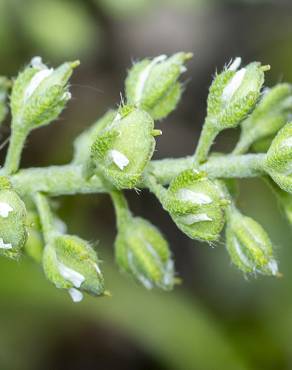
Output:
(121, 208)
(12, 161)
(69, 179)
(46, 216)
(206, 140)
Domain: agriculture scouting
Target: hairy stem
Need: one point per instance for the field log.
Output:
(121, 208)
(46, 215)
(13, 156)
(69, 179)
(206, 140)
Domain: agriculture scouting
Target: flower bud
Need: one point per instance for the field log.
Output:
(4, 87)
(124, 147)
(13, 232)
(142, 251)
(40, 94)
(71, 263)
(234, 93)
(269, 116)
(196, 205)
(152, 85)
(83, 142)
(279, 158)
(249, 246)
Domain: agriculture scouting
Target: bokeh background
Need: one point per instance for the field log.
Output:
(216, 319)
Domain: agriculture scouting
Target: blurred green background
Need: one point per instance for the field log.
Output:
(216, 319)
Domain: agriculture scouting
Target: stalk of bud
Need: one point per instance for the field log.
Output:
(152, 85)
(4, 87)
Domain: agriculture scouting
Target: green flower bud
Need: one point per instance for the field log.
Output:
(234, 93)
(40, 94)
(142, 251)
(123, 149)
(279, 158)
(196, 205)
(269, 116)
(13, 232)
(4, 87)
(152, 85)
(83, 142)
(71, 263)
(249, 246)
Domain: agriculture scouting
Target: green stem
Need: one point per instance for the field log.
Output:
(46, 216)
(13, 157)
(156, 188)
(69, 179)
(121, 208)
(206, 140)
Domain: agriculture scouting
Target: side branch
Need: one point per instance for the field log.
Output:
(69, 179)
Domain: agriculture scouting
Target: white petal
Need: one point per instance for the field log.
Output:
(193, 196)
(273, 267)
(76, 295)
(287, 142)
(71, 275)
(119, 159)
(193, 218)
(5, 208)
(235, 64)
(233, 84)
(36, 80)
(144, 75)
(241, 255)
(4, 245)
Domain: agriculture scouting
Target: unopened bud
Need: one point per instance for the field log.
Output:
(123, 149)
(40, 94)
(196, 205)
(279, 158)
(143, 252)
(249, 246)
(269, 116)
(13, 232)
(234, 93)
(152, 85)
(71, 263)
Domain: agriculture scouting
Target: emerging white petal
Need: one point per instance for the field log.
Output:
(188, 195)
(37, 62)
(71, 275)
(36, 80)
(287, 143)
(76, 295)
(233, 84)
(144, 75)
(5, 208)
(244, 260)
(193, 218)
(235, 64)
(4, 245)
(273, 267)
(119, 159)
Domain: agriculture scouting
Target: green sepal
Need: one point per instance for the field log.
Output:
(152, 85)
(249, 246)
(278, 162)
(196, 205)
(142, 251)
(123, 149)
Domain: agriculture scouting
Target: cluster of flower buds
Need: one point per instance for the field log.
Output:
(142, 251)
(39, 94)
(269, 116)
(279, 158)
(248, 244)
(196, 204)
(71, 263)
(152, 85)
(123, 149)
(13, 230)
(234, 93)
